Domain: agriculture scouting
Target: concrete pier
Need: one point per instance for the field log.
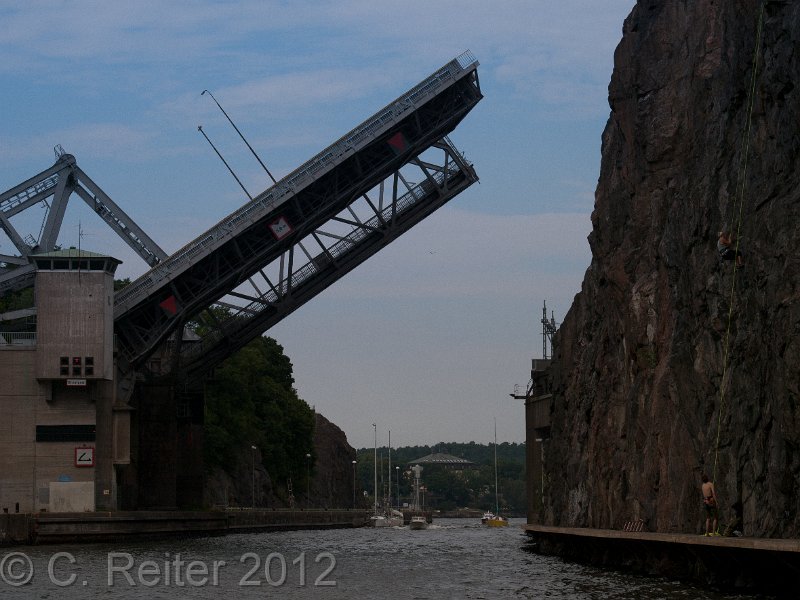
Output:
(56, 528)
(761, 565)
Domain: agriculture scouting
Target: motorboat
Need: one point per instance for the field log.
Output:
(496, 521)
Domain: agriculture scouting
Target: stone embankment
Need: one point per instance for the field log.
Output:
(55, 528)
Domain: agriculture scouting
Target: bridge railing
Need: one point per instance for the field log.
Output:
(15, 339)
(7, 203)
(297, 179)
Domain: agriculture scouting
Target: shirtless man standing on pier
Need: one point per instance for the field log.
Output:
(710, 504)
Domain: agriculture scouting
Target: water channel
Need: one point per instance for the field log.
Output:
(454, 558)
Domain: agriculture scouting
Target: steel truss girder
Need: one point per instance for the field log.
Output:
(58, 183)
(151, 309)
(298, 283)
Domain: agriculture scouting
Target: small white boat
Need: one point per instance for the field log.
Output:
(386, 521)
(394, 518)
(418, 522)
(378, 521)
(390, 517)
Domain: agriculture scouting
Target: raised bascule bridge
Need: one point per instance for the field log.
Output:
(196, 307)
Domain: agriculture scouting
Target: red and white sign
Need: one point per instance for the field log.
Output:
(280, 228)
(84, 457)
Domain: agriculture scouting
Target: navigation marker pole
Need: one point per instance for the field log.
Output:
(240, 133)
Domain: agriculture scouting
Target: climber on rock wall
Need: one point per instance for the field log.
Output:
(727, 250)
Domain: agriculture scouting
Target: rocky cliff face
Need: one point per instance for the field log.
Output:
(670, 364)
(332, 478)
(247, 481)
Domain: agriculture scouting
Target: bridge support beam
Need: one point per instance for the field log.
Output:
(167, 469)
(157, 460)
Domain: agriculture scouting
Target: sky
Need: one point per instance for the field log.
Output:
(428, 338)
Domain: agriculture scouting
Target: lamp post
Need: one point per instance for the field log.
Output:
(397, 476)
(354, 484)
(308, 478)
(253, 503)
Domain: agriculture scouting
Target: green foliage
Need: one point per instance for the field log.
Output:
(209, 320)
(121, 283)
(251, 401)
(16, 300)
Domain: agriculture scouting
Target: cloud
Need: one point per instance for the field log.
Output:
(90, 140)
(469, 254)
(292, 92)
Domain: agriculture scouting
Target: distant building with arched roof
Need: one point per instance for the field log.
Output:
(445, 460)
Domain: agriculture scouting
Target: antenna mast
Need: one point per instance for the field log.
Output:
(548, 329)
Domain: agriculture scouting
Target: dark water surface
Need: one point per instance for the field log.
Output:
(455, 558)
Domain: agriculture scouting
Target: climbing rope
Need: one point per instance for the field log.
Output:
(739, 208)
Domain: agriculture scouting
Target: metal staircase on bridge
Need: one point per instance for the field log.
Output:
(329, 215)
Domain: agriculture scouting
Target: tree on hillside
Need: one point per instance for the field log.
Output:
(251, 401)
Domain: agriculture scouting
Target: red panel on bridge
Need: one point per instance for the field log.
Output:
(170, 305)
(398, 142)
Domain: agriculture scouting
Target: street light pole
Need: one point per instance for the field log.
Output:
(308, 478)
(253, 503)
(354, 484)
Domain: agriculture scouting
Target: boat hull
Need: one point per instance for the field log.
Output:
(496, 522)
(386, 521)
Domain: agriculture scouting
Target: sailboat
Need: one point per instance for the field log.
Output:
(390, 517)
(494, 519)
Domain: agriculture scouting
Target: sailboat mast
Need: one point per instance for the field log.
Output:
(389, 487)
(375, 465)
(496, 495)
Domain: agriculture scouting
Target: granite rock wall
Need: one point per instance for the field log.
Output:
(669, 363)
